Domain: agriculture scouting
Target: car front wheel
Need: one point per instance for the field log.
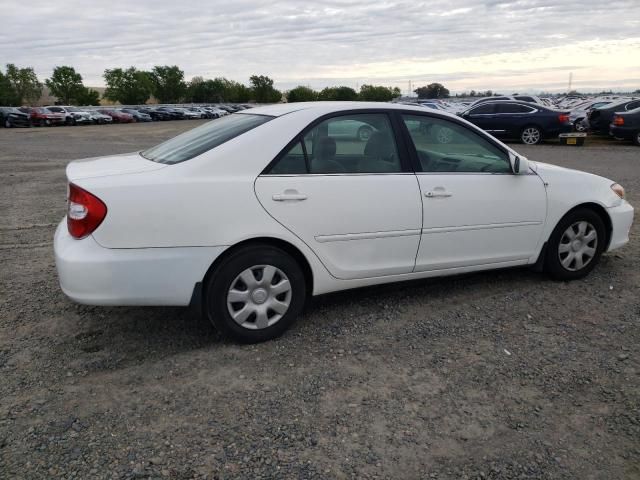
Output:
(255, 294)
(576, 244)
(636, 138)
(7, 123)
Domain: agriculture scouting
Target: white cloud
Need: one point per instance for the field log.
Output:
(468, 44)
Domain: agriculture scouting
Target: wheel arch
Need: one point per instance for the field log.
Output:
(602, 213)
(198, 293)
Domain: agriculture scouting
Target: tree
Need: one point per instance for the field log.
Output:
(88, 96)
(433, 90)
(302, 94)
(8, 95)
(340, 94)
(167, 83)
(25, 84)
(378, 93)
(129, 87)
(263, 91)
(65, 84)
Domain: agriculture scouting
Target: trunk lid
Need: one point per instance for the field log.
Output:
(111, 165)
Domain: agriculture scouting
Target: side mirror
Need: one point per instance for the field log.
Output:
(519, 164)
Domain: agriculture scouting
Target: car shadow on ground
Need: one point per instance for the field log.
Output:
(117, 337)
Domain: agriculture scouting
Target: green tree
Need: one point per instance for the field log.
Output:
(168, 84)
(25, 84)
(8, 95)
(433, 90)
(65, 84)
(302, 94)
(378, 93)
(341, 94)
(88, 96)
(263, 91)
(129, 87)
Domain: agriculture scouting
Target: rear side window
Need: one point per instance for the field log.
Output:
(513, 108)
(483, 109)
(202, 139)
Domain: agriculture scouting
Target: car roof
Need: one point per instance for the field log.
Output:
(323, 108)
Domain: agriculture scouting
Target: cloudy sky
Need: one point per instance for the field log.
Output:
(505, 45)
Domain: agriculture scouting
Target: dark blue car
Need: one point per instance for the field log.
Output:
(529, 122)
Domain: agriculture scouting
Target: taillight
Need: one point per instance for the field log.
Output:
(85, 212)
(563, 117)
(618, 120)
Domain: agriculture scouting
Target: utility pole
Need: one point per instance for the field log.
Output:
(570, 81)
(409, 92)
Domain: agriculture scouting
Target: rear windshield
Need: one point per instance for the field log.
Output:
(202, 139)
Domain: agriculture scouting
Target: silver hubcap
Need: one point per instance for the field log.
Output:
(578, 246)
(445, 135)
(580, 126)
(259, 297)
(531, 135)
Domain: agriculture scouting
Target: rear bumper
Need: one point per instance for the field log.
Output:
(623, 132)
(621, 220)
(94, 275)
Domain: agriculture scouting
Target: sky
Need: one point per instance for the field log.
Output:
(503, 45)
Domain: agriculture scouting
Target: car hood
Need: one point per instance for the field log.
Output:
(112, 165)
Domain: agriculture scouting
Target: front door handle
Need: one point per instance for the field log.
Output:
(438, 193)
(289, 195)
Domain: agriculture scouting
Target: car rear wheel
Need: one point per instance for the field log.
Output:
(531, 135)
(636, 138)
(576, 244)
(255, 294)
(7, 123)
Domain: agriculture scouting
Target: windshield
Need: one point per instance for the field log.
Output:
(204, 138)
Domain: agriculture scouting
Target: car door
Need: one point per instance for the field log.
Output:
(513, 117)
(483, 116)
(475, 210)
(353, 201)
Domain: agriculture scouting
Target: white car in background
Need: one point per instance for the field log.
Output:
(249, 215)
(73, 115)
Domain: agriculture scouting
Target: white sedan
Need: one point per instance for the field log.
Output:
(249, 215)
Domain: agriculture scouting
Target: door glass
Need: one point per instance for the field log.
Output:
(512, 108)
(482, 110)
(359, 143)
(445, 146)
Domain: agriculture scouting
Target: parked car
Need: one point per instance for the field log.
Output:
(626, 126)
(580, 112)
(137, 115)
(600, 118)
(41, 116)
(201, 112)
(99, 118)
(189, 114)
(12, 117)
(155, 113)
(174, 113)
(528, 122)
(72, 115)
(247, 216)
(116, 115)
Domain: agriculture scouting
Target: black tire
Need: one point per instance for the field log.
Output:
(636, 138)
(531, 135)
(364, 133)
(553, 263)
(220, 282)
(7, 123)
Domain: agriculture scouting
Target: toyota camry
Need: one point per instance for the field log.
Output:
(249, 215)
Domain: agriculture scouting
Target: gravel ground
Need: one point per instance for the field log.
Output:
(495, 375)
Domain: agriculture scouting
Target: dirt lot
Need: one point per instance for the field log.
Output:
(494, 375)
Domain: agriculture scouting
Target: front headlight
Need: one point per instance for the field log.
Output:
(618, 189)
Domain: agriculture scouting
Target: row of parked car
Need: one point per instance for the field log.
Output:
(69, 115)
(532, 119)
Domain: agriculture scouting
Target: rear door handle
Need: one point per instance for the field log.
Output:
(438, 193)
(289, 195)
